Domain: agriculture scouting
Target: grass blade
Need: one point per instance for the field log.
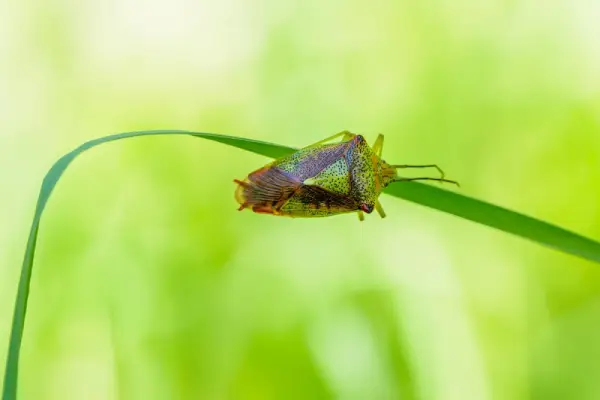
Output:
(498, 217)
(430, 196)
(9, 391)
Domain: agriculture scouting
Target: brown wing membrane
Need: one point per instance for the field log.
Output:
(266, 190)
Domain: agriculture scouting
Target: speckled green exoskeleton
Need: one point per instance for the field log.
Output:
(324, 179)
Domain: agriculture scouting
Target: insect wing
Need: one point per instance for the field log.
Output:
(307, 163)
(266, 187)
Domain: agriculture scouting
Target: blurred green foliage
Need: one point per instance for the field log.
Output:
(154, 287)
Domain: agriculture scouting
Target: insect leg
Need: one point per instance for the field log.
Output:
(426, 179)
(422, 166)
(379, 209)
(361, 216)
(346, 135)
(378, 146)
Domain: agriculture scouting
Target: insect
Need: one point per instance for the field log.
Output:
(324, 179)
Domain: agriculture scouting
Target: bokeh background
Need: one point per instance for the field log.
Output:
(148, 284)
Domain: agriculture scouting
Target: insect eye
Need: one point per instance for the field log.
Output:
(366, 208)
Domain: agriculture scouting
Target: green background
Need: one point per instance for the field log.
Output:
(148, 284)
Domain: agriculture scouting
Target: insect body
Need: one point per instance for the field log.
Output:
(323, 179)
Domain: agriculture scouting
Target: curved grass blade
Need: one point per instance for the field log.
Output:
(9, 391)
(430, 196)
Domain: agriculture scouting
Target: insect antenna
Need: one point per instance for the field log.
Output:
(442, 174)
(398, 179)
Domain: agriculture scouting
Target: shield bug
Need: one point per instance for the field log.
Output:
(324, 179)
